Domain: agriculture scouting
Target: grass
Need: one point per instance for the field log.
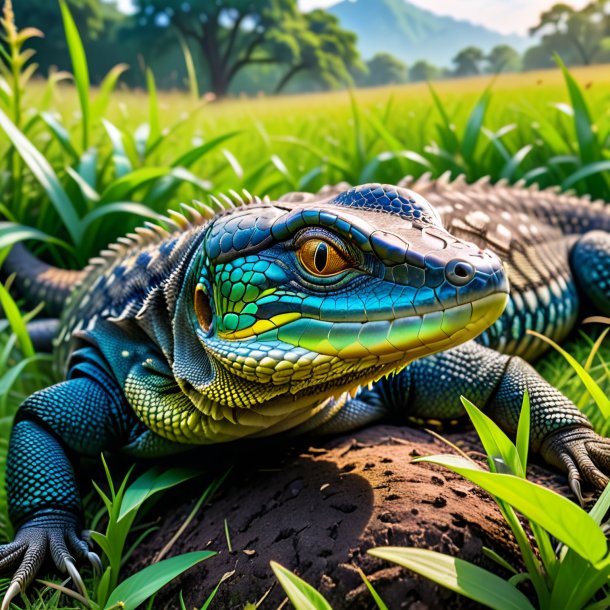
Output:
(80, 166)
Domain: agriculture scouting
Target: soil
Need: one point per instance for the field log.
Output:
(317, 508)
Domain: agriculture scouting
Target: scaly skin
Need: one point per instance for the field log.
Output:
(290, 316)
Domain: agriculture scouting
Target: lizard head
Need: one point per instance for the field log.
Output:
(306, 297)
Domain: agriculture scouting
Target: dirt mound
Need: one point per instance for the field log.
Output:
(316, 509)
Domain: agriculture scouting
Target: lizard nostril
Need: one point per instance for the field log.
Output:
(459, 272)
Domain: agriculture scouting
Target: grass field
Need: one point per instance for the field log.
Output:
(81, 167)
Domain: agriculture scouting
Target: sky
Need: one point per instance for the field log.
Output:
(506, 16)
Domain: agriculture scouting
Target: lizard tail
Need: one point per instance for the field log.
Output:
(37, 281)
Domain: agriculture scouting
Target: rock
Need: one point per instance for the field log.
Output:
(317, 508)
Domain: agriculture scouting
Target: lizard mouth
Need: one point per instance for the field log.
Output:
(406, 340)
(333, 355)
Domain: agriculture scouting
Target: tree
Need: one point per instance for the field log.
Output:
(316, 43)
(230, 34)
(468, 61)
(576, 35)
(385, 69)
(503, 58)
(422, 70)
(233, 34)
(45, 15)
(538, 57)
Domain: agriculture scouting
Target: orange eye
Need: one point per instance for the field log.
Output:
(203, 308)
(322, 258)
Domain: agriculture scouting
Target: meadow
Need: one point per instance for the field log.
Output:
(80, 167)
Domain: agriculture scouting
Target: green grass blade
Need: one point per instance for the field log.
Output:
(302, 595)
(90, 194)
(60, 133)
(380, 603)
(107, 86)
(150, 483)
(447, 129)
(522, 441)
(16, 321)
(585, 133)
(45, 175)
(559, 516)
(122, 188)
(122, 162)
(195, 154)
(190, 68)
(212, 595)
(496, 443)
(512, 165)
(358, 131)
(12, 233)
(599, 510)
(591, 169)
(121, 207)
(154, 122)
(87, 167)
(601, 400)
(499, 560)
(80, 68)
(473, 126)
(8, 380)
(138, 588)
(458, 575)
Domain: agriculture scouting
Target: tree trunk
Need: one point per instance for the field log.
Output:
(288, 77)
(317, 505)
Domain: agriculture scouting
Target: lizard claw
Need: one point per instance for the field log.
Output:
(582, 454)
(53, 533)
(95, 562)
(10, 594)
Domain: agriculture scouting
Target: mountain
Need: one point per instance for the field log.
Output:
(411, 33)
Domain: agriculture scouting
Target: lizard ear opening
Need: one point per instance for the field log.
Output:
(203, 309)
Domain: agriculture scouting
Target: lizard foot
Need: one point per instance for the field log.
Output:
(56, 533)
(582, 454)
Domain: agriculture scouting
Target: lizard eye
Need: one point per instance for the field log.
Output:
(203, 310)
(322, 258)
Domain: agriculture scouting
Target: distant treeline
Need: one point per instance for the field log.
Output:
(239, 46)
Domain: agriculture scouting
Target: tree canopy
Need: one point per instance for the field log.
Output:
(384, 69)
(578, 36)
(316, 43)
(423, 70)
(503, 58)
(233, 34)
(468, 61)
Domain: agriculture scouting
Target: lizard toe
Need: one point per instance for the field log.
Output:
(582, 454)
(10, 555)
(81, 547)
(27, 560)
(66, 548)
(574, 479)
(55, 534)
(12, 592)
(600, 453)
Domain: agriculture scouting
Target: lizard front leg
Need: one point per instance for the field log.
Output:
(590, 264)
(82, 416)
(430, 389)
